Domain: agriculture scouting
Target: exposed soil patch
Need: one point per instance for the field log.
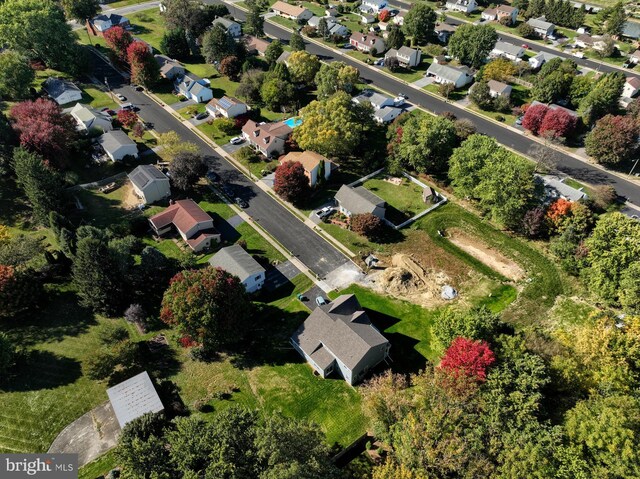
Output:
(486, 254)
(129, 198)
(405, 278)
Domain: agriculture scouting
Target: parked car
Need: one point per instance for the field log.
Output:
(108, 111)
(398, 101)
(138, 87)
(241, 203)
(236, 140)
(320, 300)
(525, 46)
(127, 106)
(379, 62)
(202, 116)
(519, 120)
(326, 211)
(403, 96)
(627, 65)
(121, 97)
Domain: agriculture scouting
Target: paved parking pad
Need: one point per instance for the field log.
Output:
(279, 275)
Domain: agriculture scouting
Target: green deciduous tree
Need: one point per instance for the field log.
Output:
(419, 22)
(255, 22)
(186, 169)
(174, 44)
(477, 323)
(273, 51)
(335, 77)
(603, 98)
(303, 67)
(209, 305)
(616, 16)
(480, 95)
(395, 38)
(630, 288)
(81, 10)
(250, 86)
(217, 43)
(277, 94)
(42, 185)
(471, 44)
(500, 69)
(16, 76)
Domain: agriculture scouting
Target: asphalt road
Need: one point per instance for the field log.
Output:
(316, 253)
(577, 169)
(536, 47)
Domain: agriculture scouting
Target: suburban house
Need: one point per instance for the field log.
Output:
(376, 100)
(553, 106)
(117, 144)
(367, 19)
(193, 224)
(194, 88)
(631, 87)
(540, 59)
(507, 11)
(507, 50)
(635, 57)
(334, 27)
(464, 6)
(314, 164)
(457, 76)
(444, 31)
(232, 28)
(367, 42)
(89, 118)
(255, 45)
(497, 88)
(359, 200)
(386, 114)
(284, 57)
(399, 18)
(331, 12)
(631, 30)
(169, 69)
(267, 138)
(133, 398)
(555, 188)
(293, 12)
(541, 26)
(587, 41)
(373, 6)
(340, 337)
(489, 14)
(101, 23)
(62, 91)
(234, 259)
(149, 183)
(226, 106)
(407, 57)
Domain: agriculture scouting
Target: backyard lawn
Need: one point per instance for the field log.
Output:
(404, 200)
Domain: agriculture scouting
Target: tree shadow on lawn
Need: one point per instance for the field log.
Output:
(38, 370)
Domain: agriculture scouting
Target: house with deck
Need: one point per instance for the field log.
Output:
(99, 24)
(117, 145)
(232, 28)
(457, 76)
(464, 6)
(88, 118)
(227, 106)
(62, 91)
(542, 28)
(194, 88)
(507, 50)
(169, 68)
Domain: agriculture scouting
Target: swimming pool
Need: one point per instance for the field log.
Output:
(293, 122)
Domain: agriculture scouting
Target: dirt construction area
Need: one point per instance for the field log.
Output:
(484, 253)
(405, 278)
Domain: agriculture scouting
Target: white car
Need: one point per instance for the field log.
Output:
(236, 140)
(326, 211)
(121, 97)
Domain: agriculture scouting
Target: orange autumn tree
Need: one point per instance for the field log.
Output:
(558, 213)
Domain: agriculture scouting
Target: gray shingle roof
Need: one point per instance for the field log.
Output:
(358, 200)
(144, 174)
(540, 23)
(340, 329)
(57, 86)
(555, 187)
(112, 140)
(236, 261)
(508, 48)
(225, 22)
(446, 71)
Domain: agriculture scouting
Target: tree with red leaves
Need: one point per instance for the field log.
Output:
(118, 40)
(231, 67)
(557, 124)
(367, 225)
(534, 117)
(291, 182)
(558, 213)
(127, 118)
(384, 15)
(468, 357)
(209, 305)
(144, 68)
(43, 129)
(613, 139)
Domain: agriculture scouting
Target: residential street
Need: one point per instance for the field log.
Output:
(573, 167)
(315, 252)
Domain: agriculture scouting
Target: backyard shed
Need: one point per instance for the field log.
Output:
(133, 398)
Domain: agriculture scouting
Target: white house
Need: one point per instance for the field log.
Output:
(194, 88)
(169, 69)
(458, 77)
(631, 87)
(497, 88)
(386, 114)
(464, 6)
(359, 200)
(88, 118)
(339, 30)
(635, 57)
(507, 50)
(339, 337)
(232, 28)
(489, 14)
(116, 144)
(192, 223)
(367, 19)
(366, 43)
(313, 163)
(103, 22)
(399, 18)
(373, 6)
(540, 59)
(407, 57)
(507, 11)
(541, 26)
(267, 138)
(234, 259)
(376, 100)
(226, 106)
(293, 12)
(149, 183)
(62, 91)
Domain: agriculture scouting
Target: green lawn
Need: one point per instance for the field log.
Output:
(405, 198)
(257, 245)
(456, 95)
(100, 467)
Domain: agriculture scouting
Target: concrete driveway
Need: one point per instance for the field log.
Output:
(230, 149)
(280, 275)
(89, 436)
(423, 82)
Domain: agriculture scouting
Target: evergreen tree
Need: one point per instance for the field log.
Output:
(296, 42)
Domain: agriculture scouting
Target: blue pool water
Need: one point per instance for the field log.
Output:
(293, 122)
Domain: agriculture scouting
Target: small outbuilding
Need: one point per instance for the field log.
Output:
(235, 260)
(133, 398)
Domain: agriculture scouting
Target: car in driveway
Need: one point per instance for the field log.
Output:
(236, 140)
(379, 62)
(320, 301)
(121, 97)
(241, 203)
(519, 120)
(202, 116)
(324, 212)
